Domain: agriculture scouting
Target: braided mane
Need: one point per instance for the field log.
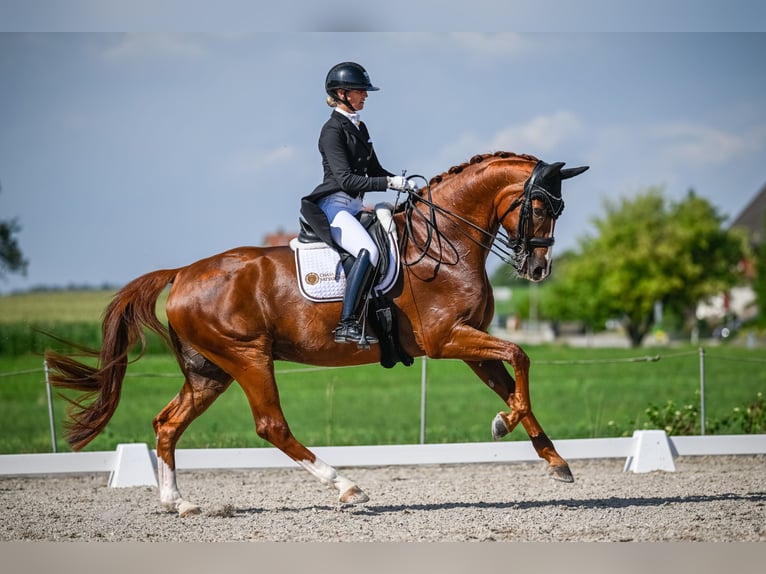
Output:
(477, 159)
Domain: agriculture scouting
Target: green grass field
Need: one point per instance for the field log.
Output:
(54, 306)
(72, 315)
(576, 393)
(372, 405)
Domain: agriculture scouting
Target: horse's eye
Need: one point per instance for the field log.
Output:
(539, 212)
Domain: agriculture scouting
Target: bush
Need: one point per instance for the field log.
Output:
(685, 420)
(673, 420)
(749, 419)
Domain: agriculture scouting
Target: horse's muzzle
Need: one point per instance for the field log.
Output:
(538, 265)
(539, 272)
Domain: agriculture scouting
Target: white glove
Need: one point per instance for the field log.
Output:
(401, 183)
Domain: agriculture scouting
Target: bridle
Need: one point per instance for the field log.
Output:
(524, 243)
(512, 250)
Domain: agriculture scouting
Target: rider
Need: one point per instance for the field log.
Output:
(351, 169)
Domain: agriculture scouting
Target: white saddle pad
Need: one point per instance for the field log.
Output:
(320, 273)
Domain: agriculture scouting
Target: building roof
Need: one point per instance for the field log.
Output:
(753, 218)
(279, 237)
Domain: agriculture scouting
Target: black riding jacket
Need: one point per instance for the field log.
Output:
(348, 160)
(349, 164)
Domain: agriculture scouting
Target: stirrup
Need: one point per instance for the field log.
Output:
(350, 331)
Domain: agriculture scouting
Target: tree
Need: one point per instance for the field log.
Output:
(647, 250)
(11, 258)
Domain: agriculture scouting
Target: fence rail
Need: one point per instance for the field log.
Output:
(135, 464)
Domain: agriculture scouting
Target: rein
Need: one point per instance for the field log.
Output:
(432, 229)
(512, 251)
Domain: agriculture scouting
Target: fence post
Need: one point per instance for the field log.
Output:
(135, 465)
(50, 406)
(702, 390)
(423, 378)
(651, 451)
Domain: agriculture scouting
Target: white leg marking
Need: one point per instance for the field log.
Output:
(170, 497)
(327, 474)
(350, 493)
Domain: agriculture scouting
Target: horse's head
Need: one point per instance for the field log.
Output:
(515, 196)
(530, 219)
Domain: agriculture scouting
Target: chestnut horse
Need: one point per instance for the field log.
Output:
(230, 316)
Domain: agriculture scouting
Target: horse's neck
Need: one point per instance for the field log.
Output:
(453, 241)
(469, 198)
(477, 195)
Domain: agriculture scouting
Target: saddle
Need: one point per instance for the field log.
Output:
(321, 274)
(370, 221)
(322, 268)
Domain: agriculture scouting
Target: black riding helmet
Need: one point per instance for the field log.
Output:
(347, 76)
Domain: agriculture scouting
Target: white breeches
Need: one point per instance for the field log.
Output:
(340, 209)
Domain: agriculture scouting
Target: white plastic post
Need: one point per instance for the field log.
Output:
(134, 466)
(651, 451)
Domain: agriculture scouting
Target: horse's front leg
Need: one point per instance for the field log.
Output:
(271, 425)
(485, 354)
(260, 388)
(497, 378)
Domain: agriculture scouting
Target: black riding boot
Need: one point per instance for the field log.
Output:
(357, 286)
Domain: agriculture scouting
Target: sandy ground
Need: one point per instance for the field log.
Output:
(707, 499)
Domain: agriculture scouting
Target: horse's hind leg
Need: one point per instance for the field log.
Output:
(204, 383)
(515, 393)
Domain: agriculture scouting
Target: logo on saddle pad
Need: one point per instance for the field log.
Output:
(312, 278)
(320, 273)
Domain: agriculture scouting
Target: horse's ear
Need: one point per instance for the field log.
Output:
(552, 168)
(573, 171)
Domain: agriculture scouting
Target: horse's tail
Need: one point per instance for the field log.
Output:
(132, 308)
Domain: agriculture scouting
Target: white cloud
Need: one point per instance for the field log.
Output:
(701, 145)
(130, 46)
(540, 136)
(541, 133)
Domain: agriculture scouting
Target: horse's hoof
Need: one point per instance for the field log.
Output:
(561, 473)
(499, 430)
(353, 495)
(186, 508)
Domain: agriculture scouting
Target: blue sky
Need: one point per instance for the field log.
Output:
(121, 153)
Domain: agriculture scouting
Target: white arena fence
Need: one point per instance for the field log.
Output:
(647, 450)
(135, 464)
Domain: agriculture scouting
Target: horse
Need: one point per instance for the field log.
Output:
(226, 318)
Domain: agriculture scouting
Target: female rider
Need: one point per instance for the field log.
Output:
(351, 169)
